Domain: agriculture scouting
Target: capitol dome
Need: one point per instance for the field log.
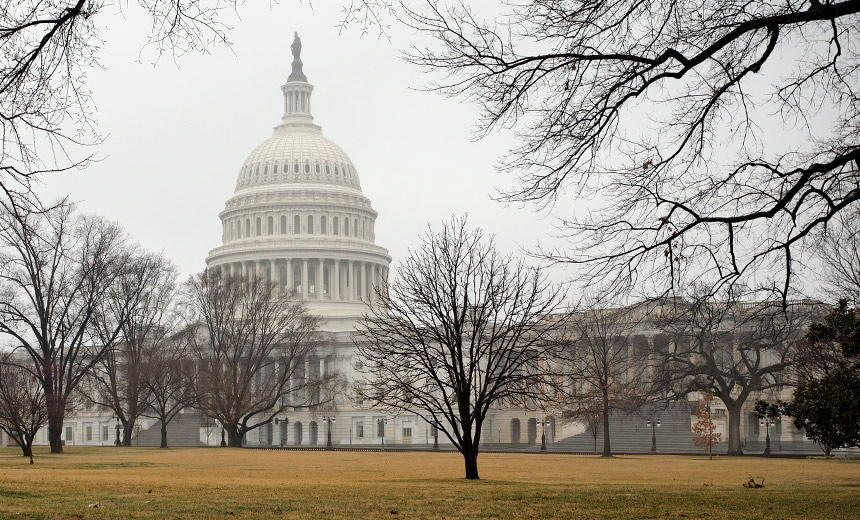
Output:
(298, 215)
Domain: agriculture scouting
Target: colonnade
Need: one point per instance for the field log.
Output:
(316, 278)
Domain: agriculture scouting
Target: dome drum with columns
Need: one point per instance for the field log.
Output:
(299, 218)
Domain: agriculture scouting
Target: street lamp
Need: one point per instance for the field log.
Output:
(329, 420)
(654, 424)
(381, 422)
(435, 437)
(543, 425)
(286, 422)
(117, 442)
(218, 423)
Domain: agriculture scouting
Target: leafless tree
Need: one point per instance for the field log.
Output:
(251, 345)
(715, 138)
(117, 379)
(56, 269)
(46, 49)
(460, 329)
(840, 253)
(732, 349)
(603, 364)
(22, 402)
(168, 373)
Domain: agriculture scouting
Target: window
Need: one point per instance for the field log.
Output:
(266, 170)
(88, 432)
(297, 225)
(270, 225)
(70, 434)
(346, 227)
(334, 225)
(105, 433)
(317, 168)
(275, 169)
(335, 170)
(355, 228)
(310, 224)
(359, 429)
(363, 235)
(283, 224)
(296, 168)
(380, 427)
(257, 172)
(259, 227)
(327, 170)
(247, 227)
(323, 230)
(307, 168)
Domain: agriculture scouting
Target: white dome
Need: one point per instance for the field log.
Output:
(294, 156)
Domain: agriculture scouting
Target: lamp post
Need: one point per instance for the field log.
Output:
(381, 422)
(543, 424)
(435, 438)
(654, 424)
(286, 422)
(117, 442)
(329, 420)
(223, 442)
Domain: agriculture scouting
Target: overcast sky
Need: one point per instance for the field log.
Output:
(178, 133)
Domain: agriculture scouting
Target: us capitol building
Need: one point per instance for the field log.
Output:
(299, 218)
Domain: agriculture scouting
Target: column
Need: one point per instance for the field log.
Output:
(374, 282)
(320, 279)
(335, 295)
(289, 267)
(276, 274)
(363, 267)
(304, 278)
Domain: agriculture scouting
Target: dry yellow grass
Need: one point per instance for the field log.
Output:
(251, 484)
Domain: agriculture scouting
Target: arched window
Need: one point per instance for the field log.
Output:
(247, 227)
(335, 171)
(317, 168)
(296, 167)
(270, 225)
(310, 224)
(327, 171)
(238, 229)
(323, 230)
(257, 171)
(355, 227)
(232, 230)
(334, 226)
(297, 225)
(275, 169)
(266, 170)
(345, 226)
(363, 235)
(307, 168)
(283, 225)
(259, 227)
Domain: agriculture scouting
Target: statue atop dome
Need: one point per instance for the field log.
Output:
(296, 49)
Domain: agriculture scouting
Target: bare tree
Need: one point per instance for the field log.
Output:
(840, 253)
(251, 345)
(22, 402)
(733, 350)
(460, 329)
(607, 373)
(690, 124)
(46, 109)
(117, 378)
(55, 270)
(168, 373)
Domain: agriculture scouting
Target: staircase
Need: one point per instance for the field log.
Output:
(631, 434)
(183, 430)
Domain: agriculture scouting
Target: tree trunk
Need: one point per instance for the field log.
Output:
(164, 434)
(607, 449)
(471, 459)
(734, 443)
(26, 447)
(234, 436)
(127, 432)
(827, 449)
(55, 433)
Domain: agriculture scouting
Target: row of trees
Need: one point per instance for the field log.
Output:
(463, 329)
(88, 316)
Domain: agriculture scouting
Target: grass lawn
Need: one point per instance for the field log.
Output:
(226, 483)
